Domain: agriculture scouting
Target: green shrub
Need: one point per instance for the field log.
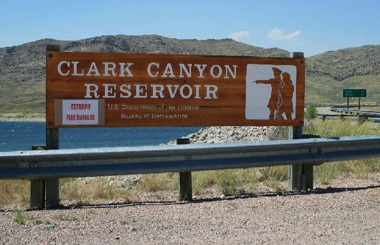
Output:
(311, 112)
(21, 217)
(227, 182)
(203, 180)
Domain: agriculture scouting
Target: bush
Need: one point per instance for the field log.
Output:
(311, 112)
(227, 182)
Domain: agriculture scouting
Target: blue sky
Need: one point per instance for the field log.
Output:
(307, 26)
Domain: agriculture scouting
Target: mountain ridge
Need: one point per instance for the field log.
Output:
(22, 67)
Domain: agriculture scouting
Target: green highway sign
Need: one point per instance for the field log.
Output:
(354, 92)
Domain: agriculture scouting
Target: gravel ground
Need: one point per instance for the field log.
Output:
(345, 212)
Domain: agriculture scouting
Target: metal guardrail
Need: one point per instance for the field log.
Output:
(368, 113)
(182, 158)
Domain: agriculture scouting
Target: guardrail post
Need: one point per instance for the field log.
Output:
(362, 118)
(52, 185)
(301, 176)
(295, 175)
(37, 188)
(37, 194)
(185, 181)
(308, 172)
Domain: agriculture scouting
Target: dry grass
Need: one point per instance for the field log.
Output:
(84, 192)
(337, 128)
(15, 192)
(158, 182)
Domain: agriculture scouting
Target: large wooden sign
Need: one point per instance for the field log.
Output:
(123, 89)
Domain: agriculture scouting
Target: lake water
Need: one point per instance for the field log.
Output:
(20, 136)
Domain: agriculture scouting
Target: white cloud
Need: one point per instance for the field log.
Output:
(278, 34)
(239, 35)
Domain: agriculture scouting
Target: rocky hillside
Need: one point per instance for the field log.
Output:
(22, 68)
(346, 63)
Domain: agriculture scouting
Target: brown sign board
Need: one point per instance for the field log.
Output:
(129, 89)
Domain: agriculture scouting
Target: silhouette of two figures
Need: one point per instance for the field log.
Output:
(281, 99)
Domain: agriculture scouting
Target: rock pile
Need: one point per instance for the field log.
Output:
(212, 135)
